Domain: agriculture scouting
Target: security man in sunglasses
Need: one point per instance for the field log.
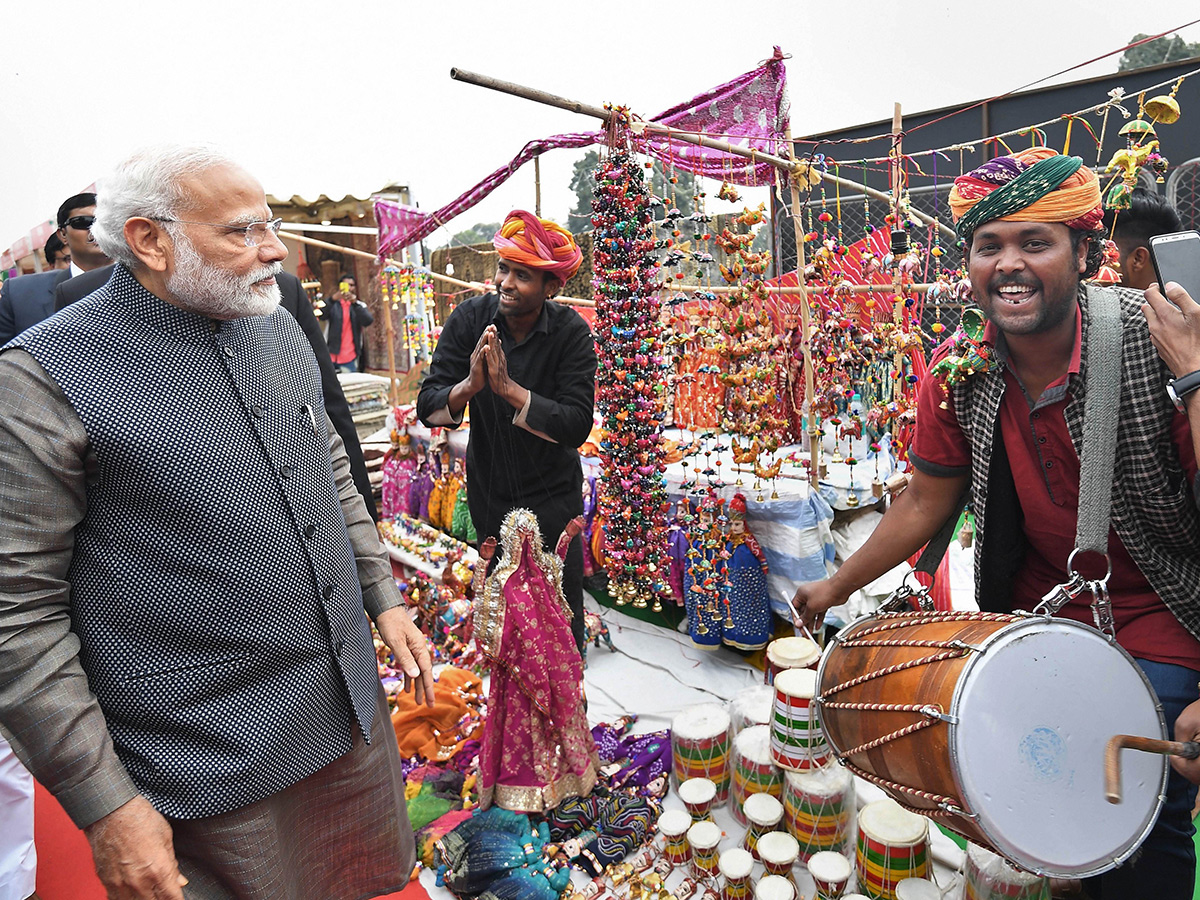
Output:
(27, 300)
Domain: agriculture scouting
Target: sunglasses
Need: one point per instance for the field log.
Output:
(80, 223)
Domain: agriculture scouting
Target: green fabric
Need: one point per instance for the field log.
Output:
(461, 525)
(1027, 188)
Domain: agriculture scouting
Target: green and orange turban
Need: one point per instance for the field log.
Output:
(539, 244)
(1035, 185)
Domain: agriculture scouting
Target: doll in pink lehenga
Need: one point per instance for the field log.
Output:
(537, 748)
(399, 471)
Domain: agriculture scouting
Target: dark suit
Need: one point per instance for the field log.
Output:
(26, 300)
(294, 299)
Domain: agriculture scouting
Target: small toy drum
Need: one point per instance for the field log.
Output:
(817, 807)
(763, 814)
(797, 741)
(735, 866)
(753, 771)
(703, 838)
(789, 653)
(830, 873)
(700, 746)
(778, 851)
(697, 795)
(917, 889)
(673, 825)
(976, 717)
(774, 887)
(752, 706)
(892, 845)
(990, 877)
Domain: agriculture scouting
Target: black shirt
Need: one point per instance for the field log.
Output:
(508, 465)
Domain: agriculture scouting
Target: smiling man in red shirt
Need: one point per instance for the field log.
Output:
(1012, 431)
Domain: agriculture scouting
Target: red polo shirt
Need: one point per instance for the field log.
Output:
(1045, 469)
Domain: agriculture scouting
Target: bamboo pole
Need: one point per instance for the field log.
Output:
(473, 285)
(788, 165)
(814, 440)
(897, 177)
(537, 186)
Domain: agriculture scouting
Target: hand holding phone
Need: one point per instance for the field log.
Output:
(1176, 257)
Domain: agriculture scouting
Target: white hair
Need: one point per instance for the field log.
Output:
(148, 183)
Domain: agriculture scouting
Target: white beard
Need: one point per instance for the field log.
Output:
(200, 287)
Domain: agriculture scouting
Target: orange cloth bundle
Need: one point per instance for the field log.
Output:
(539, 244)
(436, 734)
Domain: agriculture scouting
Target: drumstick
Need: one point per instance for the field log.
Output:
(799, 621)
(1112, 753)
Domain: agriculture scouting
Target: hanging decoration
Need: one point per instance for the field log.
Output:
(630, 389)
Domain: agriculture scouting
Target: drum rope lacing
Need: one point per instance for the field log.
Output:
(946, 805)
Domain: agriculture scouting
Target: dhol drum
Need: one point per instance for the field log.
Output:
(797, 741)
(697, 795)
(817, 807)
(778, 851)
(830, 874)
(893, 844)
(673, 825)
(774, 887)
(703, 838)
(752, 706)
(977, 718)
(753, 770)
(988, 876)
(700, 746)
(917, 889)
(763, 814)
(789, 653)
(735, 866)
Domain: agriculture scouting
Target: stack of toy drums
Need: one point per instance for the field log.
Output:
(700, 746)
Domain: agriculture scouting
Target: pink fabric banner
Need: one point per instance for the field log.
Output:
(749, 111)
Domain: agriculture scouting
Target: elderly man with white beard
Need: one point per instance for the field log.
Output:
(186, 567)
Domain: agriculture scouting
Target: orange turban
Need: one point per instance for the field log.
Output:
(1035, 185)
(539, 244)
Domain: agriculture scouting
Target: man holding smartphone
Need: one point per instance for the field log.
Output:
(1011, 430)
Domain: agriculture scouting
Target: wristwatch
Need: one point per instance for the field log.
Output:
(1178, 388)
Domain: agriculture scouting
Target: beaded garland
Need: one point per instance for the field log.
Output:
(630, 382)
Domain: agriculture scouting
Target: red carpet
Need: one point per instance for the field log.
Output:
(65, 868)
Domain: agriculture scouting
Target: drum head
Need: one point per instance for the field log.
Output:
(1035, 711)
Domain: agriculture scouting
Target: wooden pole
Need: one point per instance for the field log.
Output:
(537, 186)
(393, 381)
(473, 285)
(814, 439)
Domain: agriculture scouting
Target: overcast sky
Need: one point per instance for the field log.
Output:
(347, 96)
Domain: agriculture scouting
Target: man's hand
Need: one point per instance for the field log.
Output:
(1174, 322)
(497, 373)
(477, 377)
(1187, 728)
(399, 632)
(134, 854)
(812, 599)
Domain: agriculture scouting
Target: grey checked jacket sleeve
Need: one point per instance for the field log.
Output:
(52, 718)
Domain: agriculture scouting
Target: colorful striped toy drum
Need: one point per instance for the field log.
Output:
(777, 851)
(893, 844)
(697, 795)
(817, 807)
(763, 815)
(917, 889)
(673, 825)
(789, 653)
(752, 706)
(797, 741)
(700, 746)
(735, 865)
(988, 876)
(774, 887)
(703, 838)
(753, 770)
(830, 873)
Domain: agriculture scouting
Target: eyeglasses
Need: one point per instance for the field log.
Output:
(80, 223)
(255, 233)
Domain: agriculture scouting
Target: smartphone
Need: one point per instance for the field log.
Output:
(1176, 257)
(344, 287)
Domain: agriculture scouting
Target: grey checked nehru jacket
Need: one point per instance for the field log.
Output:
(213, 586)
